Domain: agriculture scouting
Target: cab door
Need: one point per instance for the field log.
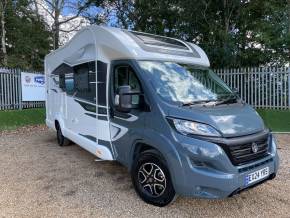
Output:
(125, 127)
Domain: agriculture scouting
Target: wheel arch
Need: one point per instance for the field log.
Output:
(167, 147)
(162, 145)
(140, 147)
(170, 156)
(58, 122)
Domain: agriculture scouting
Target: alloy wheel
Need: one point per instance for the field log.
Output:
(152, 179)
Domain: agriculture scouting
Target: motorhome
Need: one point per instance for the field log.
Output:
(153, 104)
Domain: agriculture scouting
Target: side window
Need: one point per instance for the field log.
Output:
(79, 81)
(85, 81)
(125, 75)
(66, 83)
(64, 78)
(69, 83)
(135, 86)
(120, 77)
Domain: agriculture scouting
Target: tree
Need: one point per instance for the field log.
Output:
(104, 12)
(122, 10)
(55, 10)
(27, 38)
(3, 6)
(263, 32)
(234, 33)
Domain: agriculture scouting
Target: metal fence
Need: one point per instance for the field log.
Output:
(10, 91)
(260, 87)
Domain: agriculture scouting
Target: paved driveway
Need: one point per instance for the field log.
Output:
(38, 178)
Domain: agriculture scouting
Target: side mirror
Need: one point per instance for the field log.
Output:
(236, 91)
(124, 103)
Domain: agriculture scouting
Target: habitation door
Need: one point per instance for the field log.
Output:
(87, 108)
(81, 104)
(56, 98)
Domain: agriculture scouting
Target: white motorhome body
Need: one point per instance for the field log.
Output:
(84, 119)
(152, 104)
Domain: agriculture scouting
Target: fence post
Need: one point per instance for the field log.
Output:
(19, 89)
(288, 75)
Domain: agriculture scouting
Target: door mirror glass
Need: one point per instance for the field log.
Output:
(124, 99)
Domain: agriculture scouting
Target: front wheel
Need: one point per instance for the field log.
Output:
(151, 179)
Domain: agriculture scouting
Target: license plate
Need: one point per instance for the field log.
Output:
(256, 176)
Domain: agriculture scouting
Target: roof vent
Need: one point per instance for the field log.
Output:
(164, 45)
(149, 39)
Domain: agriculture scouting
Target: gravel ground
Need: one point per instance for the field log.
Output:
(40, 179)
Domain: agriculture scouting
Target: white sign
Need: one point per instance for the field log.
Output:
(33, 87)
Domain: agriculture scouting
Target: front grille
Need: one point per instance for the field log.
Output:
(243, 153)
(251, 167)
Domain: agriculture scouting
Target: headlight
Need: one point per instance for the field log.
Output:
(189, 127)
(274, 144)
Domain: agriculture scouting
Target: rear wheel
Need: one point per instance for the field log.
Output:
(61, 140)
(151, 179)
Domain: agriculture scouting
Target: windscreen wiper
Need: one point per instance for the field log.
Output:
(230, 99)
(196, 102)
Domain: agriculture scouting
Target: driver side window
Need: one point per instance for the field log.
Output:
(125, 75)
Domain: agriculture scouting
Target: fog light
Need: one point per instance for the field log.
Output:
(202, 164)
(197, 163)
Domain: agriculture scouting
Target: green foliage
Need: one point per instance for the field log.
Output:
(276, 120)
(12, 119)
(28, 39)
(17, 118)
(234, 33)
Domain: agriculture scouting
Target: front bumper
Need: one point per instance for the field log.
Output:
(209, 173)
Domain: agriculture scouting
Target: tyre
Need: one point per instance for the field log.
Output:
(61, 140)
(151, 179)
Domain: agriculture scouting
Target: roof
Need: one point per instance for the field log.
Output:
(109, 43)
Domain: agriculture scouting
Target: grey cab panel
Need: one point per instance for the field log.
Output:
(199, 164)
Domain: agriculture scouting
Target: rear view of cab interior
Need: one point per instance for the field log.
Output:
(153, 104)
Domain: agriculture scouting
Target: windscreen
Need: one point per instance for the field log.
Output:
(176, 82)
